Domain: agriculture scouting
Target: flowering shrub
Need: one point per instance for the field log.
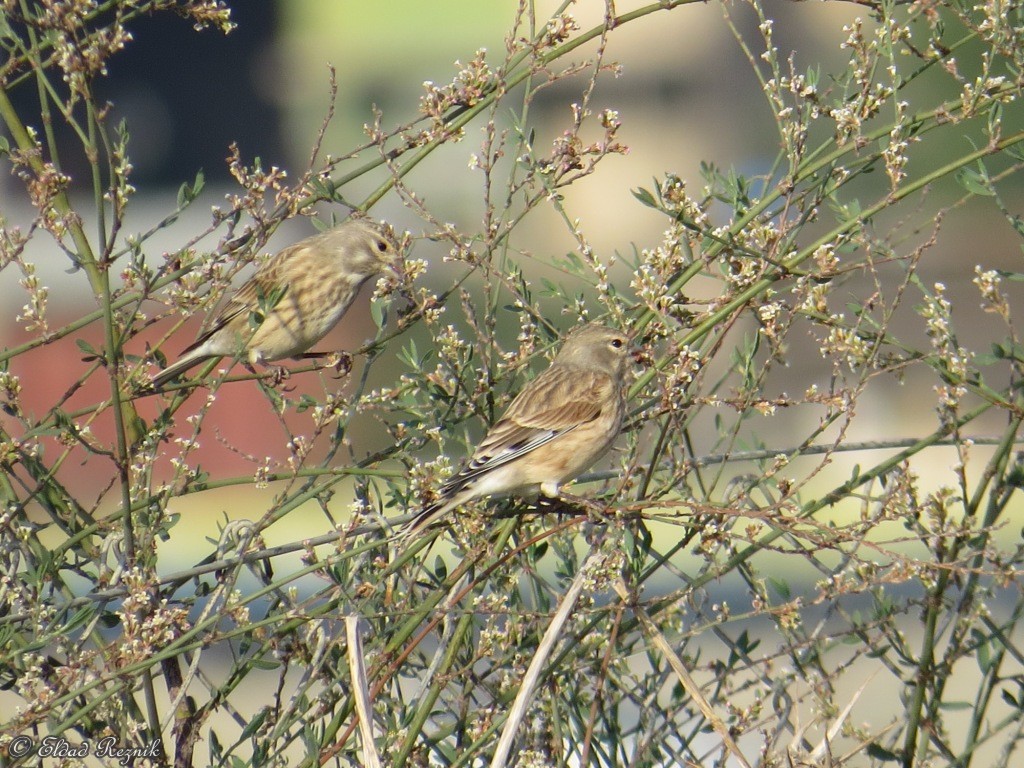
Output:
(771, 550)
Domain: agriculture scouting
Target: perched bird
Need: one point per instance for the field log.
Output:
(293, 300)
(559, 425)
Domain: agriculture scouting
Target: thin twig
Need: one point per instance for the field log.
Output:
(540, 660)
(361, 691)
(688, 683)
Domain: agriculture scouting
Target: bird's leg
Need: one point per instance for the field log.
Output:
(341, 362)
(278, 373)
(560, 505)
(546, 505)
(550, 489)
(563, 503)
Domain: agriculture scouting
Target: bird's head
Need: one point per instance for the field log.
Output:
(363, 247)
(597, 347)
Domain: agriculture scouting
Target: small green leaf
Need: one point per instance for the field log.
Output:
(983, 655)
(974, 182)
(956, 706)
(216, 750)
(995, 118)
(780, 588)
(268, 301)
(254, 723)
(78, 620)
(86, 347)
(550, 287)
(378, 314)
(645, 197)
(323, 188)
(187, 193)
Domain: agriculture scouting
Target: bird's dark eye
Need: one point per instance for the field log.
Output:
(618, 343)
(382, 246)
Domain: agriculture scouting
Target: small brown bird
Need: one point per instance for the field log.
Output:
(560, 424)
(293, 300)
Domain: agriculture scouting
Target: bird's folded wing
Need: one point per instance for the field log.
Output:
(247, 298)
(557, 402)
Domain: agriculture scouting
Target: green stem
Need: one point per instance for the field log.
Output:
(31, 152)
(426, 703)
(462, 116)
(811, 508)
(787, 265)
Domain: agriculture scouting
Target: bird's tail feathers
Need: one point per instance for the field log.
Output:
(176, 368)
(428, 517)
